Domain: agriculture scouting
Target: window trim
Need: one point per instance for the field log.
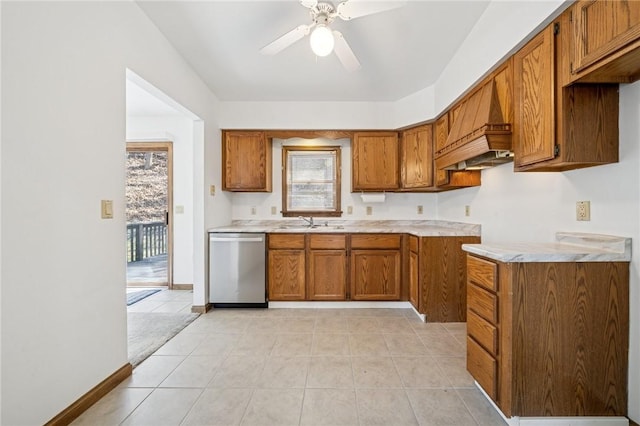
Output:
(314, 213)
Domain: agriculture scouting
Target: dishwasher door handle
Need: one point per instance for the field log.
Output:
(236, 240)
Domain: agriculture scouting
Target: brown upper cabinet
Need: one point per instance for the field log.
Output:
(374, 161)
(605, 41)
(246, 159)
(416, 157)
(558, 127)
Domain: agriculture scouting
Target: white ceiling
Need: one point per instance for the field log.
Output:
(401, 51)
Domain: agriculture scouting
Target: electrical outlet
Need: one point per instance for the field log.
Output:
(273, 210)
(350, 210)
(212, 190)
(253, 210)
(467, 210)
(420, 210)
(583, 210)
(369, 210)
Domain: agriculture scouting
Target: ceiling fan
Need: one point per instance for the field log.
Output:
(323, 40)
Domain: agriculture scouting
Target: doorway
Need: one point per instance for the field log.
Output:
(149, 192)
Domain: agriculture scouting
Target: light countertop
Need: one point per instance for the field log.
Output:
(568, 247)
(419, 228)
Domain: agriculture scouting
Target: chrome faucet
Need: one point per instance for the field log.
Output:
(309, 221)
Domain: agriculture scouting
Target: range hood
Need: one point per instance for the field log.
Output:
(479, 137)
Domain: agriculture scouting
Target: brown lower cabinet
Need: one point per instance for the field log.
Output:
(438, 265)
(286, 267)
(549, 338)
(375, 266)
(327, 267)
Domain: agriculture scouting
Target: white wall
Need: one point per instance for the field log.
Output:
(396, 206)
(178, 130)
(63, 148)
(307, 115)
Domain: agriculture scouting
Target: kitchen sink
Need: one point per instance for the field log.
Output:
(308, 227)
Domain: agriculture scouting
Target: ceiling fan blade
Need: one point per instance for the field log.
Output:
(344, 52)
(309, 3)
(286, 40)
(350, 9)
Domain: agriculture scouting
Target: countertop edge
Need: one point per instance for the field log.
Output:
(569, 247)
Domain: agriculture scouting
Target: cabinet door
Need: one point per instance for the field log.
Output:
(327, 275)
(374, 161)
(247, 162)
(441, 134)
(416, 158)
(375, 274)
(286, 274)
(534, 130)
(414, 296)
(601, 27)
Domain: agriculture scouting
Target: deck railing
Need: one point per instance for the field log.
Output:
(146, 240)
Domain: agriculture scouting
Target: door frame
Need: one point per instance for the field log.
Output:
(168, 148)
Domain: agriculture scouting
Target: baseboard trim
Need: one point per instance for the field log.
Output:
(83, 403)
(182, 287)
(201, 309)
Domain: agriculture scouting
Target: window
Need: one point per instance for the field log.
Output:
(311, 181)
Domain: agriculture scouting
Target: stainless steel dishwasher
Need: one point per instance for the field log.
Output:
(237, 270)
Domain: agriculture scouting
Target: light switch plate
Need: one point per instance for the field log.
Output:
(106, 209)
(179, 209)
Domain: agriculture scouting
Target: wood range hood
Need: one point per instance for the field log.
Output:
(479, 137)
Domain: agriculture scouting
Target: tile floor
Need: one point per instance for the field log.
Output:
(173, 301)
(302, 367)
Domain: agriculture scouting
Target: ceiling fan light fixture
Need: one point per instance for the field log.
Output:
(321, 40)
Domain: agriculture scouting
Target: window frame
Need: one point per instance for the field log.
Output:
(338, 182)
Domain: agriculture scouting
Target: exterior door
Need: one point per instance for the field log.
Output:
(149, 213)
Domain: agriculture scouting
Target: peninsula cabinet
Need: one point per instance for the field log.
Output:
(605, 41)
(556, 126)
(375, 266)
(246, 159)
(327, 267)
(416, 158)
(375, 161)
(286, 267)
(549, 339)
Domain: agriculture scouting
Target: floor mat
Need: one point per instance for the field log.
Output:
(147, 331)
(136, 296)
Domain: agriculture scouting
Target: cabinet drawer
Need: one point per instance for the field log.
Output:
(483, 367)
(482, 272)
(286, 241)
(413, 243)
(375, 241)
(328, 241)
(482, 303)
(483, 332)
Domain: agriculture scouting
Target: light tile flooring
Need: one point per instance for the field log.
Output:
(302, 367)
(173, 301)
